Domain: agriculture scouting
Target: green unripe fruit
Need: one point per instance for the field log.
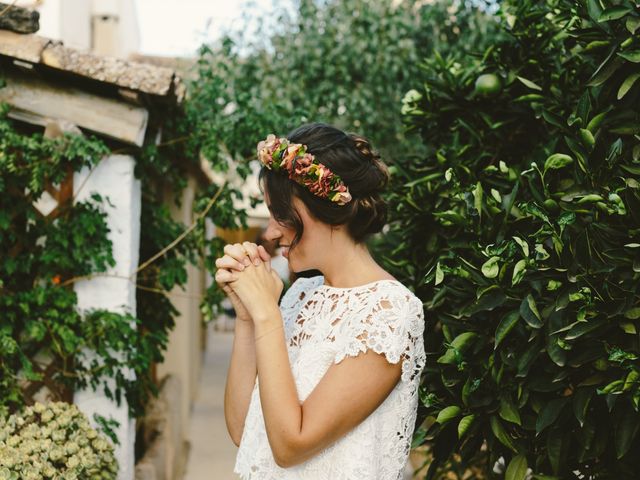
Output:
(587, 138)
(488, 84)
(601, 364)
(551, 205)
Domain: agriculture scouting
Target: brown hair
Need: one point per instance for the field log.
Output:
(352, 158)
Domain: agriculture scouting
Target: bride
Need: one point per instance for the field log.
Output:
(324, 385)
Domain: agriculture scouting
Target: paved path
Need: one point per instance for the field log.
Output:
(213, 454)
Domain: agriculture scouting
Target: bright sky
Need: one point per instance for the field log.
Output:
(179, 27)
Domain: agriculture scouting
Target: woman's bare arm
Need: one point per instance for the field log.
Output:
(241, 379)
(241, 376)
(347, 394)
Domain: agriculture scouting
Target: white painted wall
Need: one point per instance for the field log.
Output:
(115, 27)
(105, 27)
(75, 24)
(114, 179)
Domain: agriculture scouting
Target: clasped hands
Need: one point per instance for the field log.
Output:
(245, 275)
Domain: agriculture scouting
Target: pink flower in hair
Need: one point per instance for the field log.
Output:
(290, 154)
(266, 148)
(303, 165)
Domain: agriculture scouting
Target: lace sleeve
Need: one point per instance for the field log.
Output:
(392, 324)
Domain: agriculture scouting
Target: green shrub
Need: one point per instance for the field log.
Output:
(521, 231)
(54, 441)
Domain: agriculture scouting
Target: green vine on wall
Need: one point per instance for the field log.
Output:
(44, 339)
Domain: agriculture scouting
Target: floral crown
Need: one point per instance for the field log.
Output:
(279, 155)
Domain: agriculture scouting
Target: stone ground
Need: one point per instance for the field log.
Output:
(212, 453)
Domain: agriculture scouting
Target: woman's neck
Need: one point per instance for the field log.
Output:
(350, 264)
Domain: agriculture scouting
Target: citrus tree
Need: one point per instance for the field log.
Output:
(348, 63)
(520, 229)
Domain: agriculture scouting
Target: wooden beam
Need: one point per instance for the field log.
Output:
(34, 101)
(18, 19)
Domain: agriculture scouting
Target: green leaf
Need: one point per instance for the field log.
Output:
(465, 423)
(604, 72)
(627, 84)
(632, 56)
(581, 399)
(507, 324)
(501, 434)
(557, 161)
(583, 327)
(518, 272)
(549, 414)
(632, 313)
(523, 245)
(509, 412)
(613, 13)
(517, 468)
(632, 24)
(439, 275)
(625, 431)
(529, 83)
(463, 341)
(555, 449)
(595, 9)
(491, 268)
(529, 311)
(595, 122)
(447, 414)
(631, 380)
(477, 198)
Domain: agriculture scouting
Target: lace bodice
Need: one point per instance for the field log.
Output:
(323, 325)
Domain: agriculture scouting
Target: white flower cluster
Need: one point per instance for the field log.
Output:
(53, 441)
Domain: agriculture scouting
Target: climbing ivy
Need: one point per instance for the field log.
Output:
(44, 339)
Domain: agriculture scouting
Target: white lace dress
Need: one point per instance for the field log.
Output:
(323, 325)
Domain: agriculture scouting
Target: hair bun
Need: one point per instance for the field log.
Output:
(373, 176)
(372, 210)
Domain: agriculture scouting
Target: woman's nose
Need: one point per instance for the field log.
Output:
(272, 232)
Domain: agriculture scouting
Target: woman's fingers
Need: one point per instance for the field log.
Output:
(252, 252)
(264, 256)
(225, 276)
(229, 263)
(237, 252)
